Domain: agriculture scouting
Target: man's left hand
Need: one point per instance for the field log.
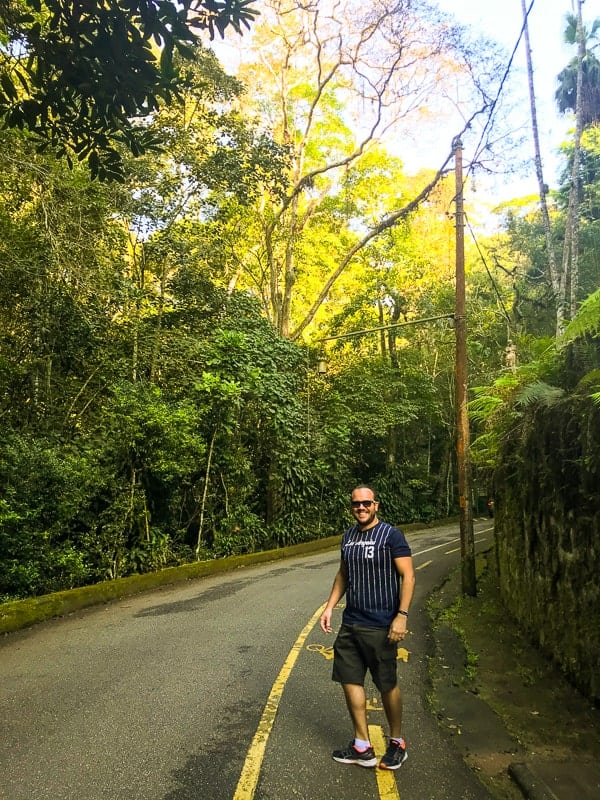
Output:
(397, 630)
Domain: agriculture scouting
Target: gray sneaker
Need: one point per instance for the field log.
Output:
(350, 755)
(394, 757)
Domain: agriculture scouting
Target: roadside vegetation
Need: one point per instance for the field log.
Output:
(176, 274)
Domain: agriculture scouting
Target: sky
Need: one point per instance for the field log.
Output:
(502, 20)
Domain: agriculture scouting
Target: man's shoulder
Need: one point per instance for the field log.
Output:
(394, 538)
(387, 527)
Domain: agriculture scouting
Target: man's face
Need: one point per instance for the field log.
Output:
(364, 507)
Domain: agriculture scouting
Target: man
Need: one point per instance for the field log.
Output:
(376, 573)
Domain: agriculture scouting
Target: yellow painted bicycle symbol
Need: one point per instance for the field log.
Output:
(327, 652)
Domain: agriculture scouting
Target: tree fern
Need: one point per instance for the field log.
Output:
(586, 322)
(592, 380)
(539, 393)
(483, 406)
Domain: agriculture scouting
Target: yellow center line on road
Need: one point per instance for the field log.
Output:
(386, 782)
(252, 765)
(254, 758)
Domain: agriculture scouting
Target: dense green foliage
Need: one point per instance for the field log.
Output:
(79, 75)
(152, 411)
(521, 257)
(151, 414)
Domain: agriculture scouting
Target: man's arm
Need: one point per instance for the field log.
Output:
(337, 592)
(399, 626)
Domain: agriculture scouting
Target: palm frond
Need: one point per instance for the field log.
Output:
(591, 378)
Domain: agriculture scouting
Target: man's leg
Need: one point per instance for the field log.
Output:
(392, 704)
(396, 754)
(356, 701)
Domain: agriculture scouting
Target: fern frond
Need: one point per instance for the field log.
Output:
(586, 321)
(482, 407)
(507, 380)
(591, 378)
(539, 393)
(485, 449)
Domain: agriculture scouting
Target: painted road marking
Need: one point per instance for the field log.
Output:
(386, 782)
(254, 758)
(326, 652)
(424, 564)
(250, 772)
(457, 549)
(445, 544)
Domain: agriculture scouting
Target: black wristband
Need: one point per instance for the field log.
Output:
(404, 613)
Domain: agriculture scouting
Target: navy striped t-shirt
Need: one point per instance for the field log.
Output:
(372, 580)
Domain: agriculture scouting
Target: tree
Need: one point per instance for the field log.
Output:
(569, 284)
(80, 76)
(579, 91)
(334, 79)
(553, 271)
(566, 93)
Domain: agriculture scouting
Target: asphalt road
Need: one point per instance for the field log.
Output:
(218, 689)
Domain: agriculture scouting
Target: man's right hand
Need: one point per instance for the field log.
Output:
(326, 620)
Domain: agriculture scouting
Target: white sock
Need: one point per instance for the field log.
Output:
(361, 744)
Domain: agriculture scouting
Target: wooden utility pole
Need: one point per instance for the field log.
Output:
(463, 443)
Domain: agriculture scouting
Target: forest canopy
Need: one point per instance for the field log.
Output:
(82, 76)
(160, 334)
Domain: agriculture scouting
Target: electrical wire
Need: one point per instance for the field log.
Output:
(490, 276)
(480, 148)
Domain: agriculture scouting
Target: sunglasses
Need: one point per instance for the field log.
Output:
(359, 503)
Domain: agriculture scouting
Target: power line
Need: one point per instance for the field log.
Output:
(384, 328)
(494, 104)
(490, 276)
(480, 147)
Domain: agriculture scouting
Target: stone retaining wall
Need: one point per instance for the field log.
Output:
(547, 509)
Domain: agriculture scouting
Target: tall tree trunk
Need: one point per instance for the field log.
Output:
(381, 318)
(571, 254)
(554, 275)
(137, 257)
(205, 493)
(154, 361)
(289, 271)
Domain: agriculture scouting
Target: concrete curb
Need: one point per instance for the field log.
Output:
(532, 786)
(18, 614)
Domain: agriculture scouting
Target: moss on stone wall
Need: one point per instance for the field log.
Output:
(547, 509)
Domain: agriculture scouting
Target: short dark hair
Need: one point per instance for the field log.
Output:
(365, 486)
